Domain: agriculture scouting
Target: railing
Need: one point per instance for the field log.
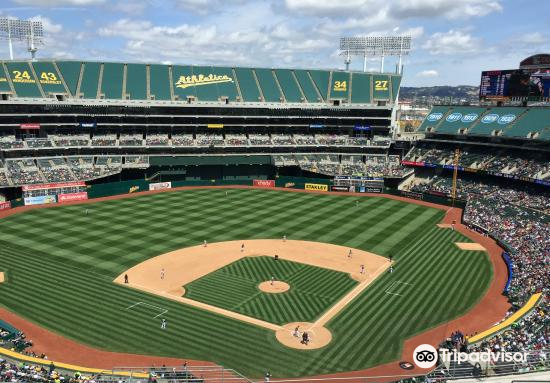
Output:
(181, 374)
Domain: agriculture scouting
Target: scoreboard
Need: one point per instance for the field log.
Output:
(359, 184)
(517, 83)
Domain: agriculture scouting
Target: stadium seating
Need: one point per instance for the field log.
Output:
(511, 122)
(120, 81)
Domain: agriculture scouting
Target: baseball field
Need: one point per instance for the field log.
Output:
(60, 263)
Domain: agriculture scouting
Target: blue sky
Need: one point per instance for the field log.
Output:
(453, 40)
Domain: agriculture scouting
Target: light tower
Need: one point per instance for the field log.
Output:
(375, 46)
(22, 30)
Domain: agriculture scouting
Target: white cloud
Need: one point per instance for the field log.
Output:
(395, 9)
(451, 9)
(451, 43)
(49, 26)
(428, 73)
(57, 3)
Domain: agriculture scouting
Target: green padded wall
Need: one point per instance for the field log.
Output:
(269, 86)
(361, 88)
(90, 80)
(339, 86)
(159, 82)
(381, 87)
(136, 81)
(320, 78)
(248, 86)
(307, 86)
(23, 80)
(288, 85)
(183, 84)
(48, 77)
(111, 85)
(4, 84)
(71, 73)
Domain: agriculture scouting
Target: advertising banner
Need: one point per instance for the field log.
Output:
(5, 205)
(412, 163)
(413, 195)
(53, 185)
(82, 196)
(263, 183)
(370, 190)
(316, 187)
(160, 186)
(29, 126)
(40, 200)
(87, 125)
(340, 188)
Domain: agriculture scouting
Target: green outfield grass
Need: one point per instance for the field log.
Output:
(235, 287)
(61, 264)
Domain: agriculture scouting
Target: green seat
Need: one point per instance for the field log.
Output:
(434, 118)
(495, 119)
(532, 121)
(459, 118)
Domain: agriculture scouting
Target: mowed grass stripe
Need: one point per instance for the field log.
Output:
(119, 234)
(244, 275)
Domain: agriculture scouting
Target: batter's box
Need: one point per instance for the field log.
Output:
(399, 288)
(142, 306)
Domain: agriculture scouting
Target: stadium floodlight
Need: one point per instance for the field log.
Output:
(30, 31)
(374, 46)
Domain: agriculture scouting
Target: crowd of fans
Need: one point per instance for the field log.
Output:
(531, 165)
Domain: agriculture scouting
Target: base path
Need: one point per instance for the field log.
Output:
(165, 274)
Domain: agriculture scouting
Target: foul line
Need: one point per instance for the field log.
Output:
(393, 284)
(342, 303)
(163, 311)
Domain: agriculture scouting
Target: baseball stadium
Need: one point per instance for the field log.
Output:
(166, 222)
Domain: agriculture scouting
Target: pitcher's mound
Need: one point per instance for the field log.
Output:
(318, 336)
(276, 287)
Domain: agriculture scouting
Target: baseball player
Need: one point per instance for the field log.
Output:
(86, 211)
(205, 243)
(272, 281)
(162, 273)
(242, 247)
(349, 254)
(284, 238)
(163, 324)
(357, 203)
(126, 278)
(391, 269)
(362, 269)
(296, 332)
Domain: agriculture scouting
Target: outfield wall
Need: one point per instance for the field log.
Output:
(301, 183)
